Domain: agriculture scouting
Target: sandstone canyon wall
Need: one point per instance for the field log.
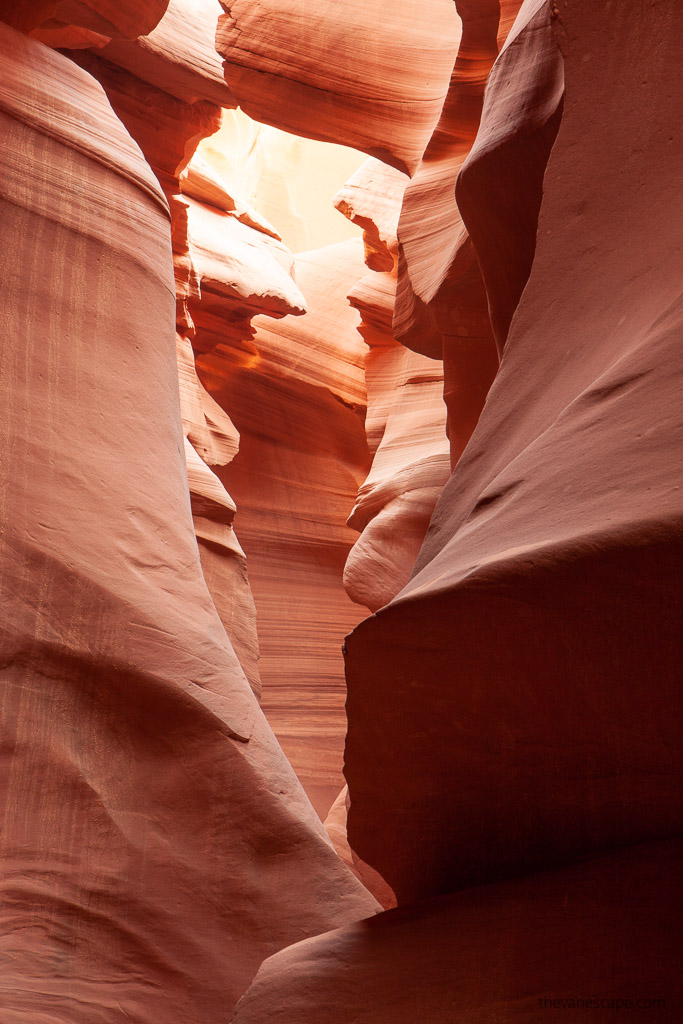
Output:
(515, 707)
(468, 419)
(143, 790)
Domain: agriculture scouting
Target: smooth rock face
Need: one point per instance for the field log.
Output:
(441, 302)
(166, 87)
(406, 416)
(179, 56)
(371, 74)
(574, 944)
(85, 22)
(211, 440)
(513, 755)
(405, 426)
(517, 133)
(372, 198)
(296, 392)
(540, 621)
(154, 837)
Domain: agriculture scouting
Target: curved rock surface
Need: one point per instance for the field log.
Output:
(441, 302)
(83, 22)
(540, 618)
(491, 954)
(296, 392)
(513, 753)
(179, 56)
(371, 74)
(229, 264)
(517, 133)
(406, 417)
(154, 837)
(405, 427)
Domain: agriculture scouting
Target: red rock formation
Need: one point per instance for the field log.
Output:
(211, 440)
(370, 74)
(296, 392)
(441, 303)
(513, 749)
(167, 87)
(83, 22)
(154, 838)
(405, 426)
(372, 199)
(540, 619)
(517, 133)
(406, 415)
(573, 944)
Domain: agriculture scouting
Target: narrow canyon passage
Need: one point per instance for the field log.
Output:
(341, 322)
(295, 391)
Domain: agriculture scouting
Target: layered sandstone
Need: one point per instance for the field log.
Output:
(370, 74)
(539, 620)
(169, 90)
(512, 755)
(406, 417)
(146, 801)
(83, 22)
(296, 392)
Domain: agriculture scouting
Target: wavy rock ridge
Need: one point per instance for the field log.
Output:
(486, 385)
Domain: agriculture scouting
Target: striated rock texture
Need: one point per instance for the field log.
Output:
(296, 392)
(513, 752)
(371, 74)
(513, 713)
(441, 302)
(168, 88)
(83, 22)
(540, 619)
(406, 416)
(154, 837)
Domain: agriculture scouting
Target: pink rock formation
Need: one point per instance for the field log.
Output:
(370, 74)
(242, 272)
(154, 838)
(211, 440)
(441, 303)
(179, 56)
(406, 433)
(406, 415)
(83, 22)
(166, 88)
(372, 198)
(540, 619)
(513, 754)
(296, 392)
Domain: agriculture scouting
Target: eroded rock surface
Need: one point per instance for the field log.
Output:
(406, 417)
(371, 74)
(154, 837)
(513, 756)
(296, 391)
(491, 954)
(540, 618)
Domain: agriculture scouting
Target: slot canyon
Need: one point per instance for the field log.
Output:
(341, 517)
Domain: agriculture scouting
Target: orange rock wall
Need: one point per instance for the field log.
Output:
(172, 372)
(296, 391)
(514, 708)
(127, 716)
